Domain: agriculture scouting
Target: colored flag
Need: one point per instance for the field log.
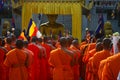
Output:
(22, 36)
(100, 27)
(33, 30)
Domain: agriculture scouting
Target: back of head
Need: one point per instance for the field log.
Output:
(63, 41)
(99, 46)
(75, 43)
(25, 43)
(45, 39)
(107, 43)
(69, 40)
(34, 39)
(19, 44)
(40, 40)
(8, 40)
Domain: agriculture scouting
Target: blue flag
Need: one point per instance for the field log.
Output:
(100, 27)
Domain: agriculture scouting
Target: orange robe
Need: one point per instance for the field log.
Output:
(61, 63)
(2, 67)
(89, 64)
(15, 60)
(99, 56)
(82, 68)
(77, 55)
(111, 68)
(35, 69)
(43, 68)
(101, 67)
(89, 48)
(48, 50)
(8, 47)
(30, 57)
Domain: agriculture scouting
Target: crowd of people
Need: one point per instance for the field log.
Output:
(63, 59)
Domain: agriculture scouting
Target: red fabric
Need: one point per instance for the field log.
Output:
(2, 68)
(35, 69)
(48, 50)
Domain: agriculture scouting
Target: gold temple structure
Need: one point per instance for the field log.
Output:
(64, 7)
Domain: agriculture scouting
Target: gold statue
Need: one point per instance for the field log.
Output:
(52, 28)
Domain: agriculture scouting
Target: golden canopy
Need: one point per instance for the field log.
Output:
(63, 7)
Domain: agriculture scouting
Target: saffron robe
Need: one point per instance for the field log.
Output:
(2, 67)
(99, 56)
(35, 69)
(77, 55)
(61, 63)
(48, 50)
(15, 60)
(111, 68)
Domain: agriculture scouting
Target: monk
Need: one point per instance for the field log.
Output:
(75, 47)
(15, 60)
(43, 67)
(91, 50)
(48, 50)
(83, 50)
(3, 52)
(30, 57)
(35, 74)
(111, 68)
(101, 56)
(62, 61)
(89, 71)
(103, 62)
(8, 44)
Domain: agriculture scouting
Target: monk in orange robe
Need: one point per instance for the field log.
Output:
(89, 71)
(101, 56)
(62, 61)
(30, 57)
(48, 50)
(90, 47)
(43, 66)
(111, 68)
(82, 68)
(35, 69)
(103, 62)
(101, 67)
(15, 60)
(3, 52)
(75, 47)
(8, 44)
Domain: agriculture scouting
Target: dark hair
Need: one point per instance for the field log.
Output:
(8, 40)
(34, 39)
(107, 43)
(63, 41)
(19, 44)
(40, 40)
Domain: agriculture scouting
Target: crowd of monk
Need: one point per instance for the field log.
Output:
(64, 59)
